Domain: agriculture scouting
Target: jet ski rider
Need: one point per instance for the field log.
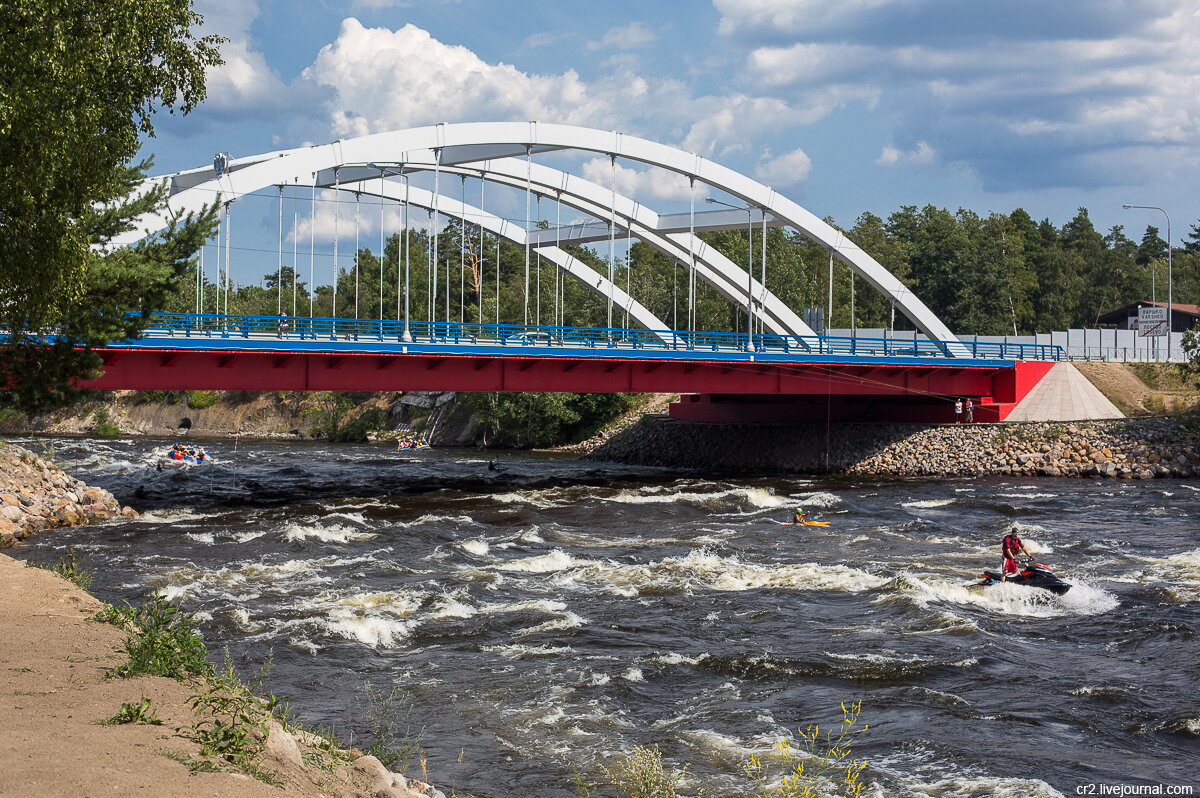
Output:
(1011, 547)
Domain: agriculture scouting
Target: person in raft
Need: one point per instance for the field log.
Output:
(1011, 547)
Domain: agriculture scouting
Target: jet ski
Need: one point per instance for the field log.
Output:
(1033, 574)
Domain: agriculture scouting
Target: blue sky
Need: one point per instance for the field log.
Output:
(847, 106)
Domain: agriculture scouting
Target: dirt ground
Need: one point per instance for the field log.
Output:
(1121, 385)
(53, 690)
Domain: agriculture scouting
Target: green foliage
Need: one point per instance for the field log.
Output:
(102, 425)
(387, 716)
(822, 763)
(159, 397)
(13, 421)
(545, 419)
(162, 641)
(139, 714)
(199, 400)
(1190, 370)
(71, 569)
(231, 725)
(80, 81)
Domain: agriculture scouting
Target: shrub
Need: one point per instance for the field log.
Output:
(824, 761)
(102, 425)
(13, 421)
(72, 570)
(162, 642)
(384, 714)
(201, 399)
(642, 774)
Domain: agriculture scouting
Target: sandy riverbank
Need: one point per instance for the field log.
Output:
(56, 662)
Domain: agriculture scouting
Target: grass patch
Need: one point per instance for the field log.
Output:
(141, 714)
(201, 399)
(195, 765)
(387, 716)
(71, 569)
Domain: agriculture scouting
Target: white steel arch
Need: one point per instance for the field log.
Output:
(712, 266)
(587, 276)
(473, 142)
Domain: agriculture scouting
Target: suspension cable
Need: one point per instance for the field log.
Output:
(629, 267)
(279, 273)
(528, 180)
(692, 255)
(337, 201)
(381, 255)
(357, 250)
(762, 317)
(462, 256)
(539, 267)
(612, 233)
(407, 250)
(559, 312)
(228, 229)
(312, 252)
(295, 225)
(437, 174)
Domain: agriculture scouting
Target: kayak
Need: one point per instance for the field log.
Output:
(803, 523)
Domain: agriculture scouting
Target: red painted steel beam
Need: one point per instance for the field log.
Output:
(272, 371)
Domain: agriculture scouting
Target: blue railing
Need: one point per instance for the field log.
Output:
(376, 331)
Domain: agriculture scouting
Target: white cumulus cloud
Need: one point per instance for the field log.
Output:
(786, 170)
(891, 156)
(626, 37)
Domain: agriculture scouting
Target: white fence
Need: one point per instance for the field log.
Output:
(1123, 346)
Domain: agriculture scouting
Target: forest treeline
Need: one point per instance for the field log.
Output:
(989, 275)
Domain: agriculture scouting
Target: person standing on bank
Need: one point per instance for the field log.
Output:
(970, 412)
(958, 411)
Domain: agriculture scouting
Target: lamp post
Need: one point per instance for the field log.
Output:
(1170, 312)
(749, 266)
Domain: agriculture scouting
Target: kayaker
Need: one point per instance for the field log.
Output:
(799, 517)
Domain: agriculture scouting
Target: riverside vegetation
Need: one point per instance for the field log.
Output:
(237, 727)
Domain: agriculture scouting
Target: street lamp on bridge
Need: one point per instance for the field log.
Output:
(1170, 313)
(749, 266)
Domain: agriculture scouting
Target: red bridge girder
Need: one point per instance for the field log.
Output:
(145, 369)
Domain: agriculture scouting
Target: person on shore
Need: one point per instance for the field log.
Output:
(1011, 547)
(970, 412)
(958, 411)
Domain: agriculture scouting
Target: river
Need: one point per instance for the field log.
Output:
(553, 614)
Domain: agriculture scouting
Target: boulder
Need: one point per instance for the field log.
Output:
(281, 745)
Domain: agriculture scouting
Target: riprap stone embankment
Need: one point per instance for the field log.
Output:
(36, 495)
(1122, 449)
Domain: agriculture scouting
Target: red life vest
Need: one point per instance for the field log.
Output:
(1012, 544)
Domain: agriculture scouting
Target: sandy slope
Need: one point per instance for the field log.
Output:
(53, 661)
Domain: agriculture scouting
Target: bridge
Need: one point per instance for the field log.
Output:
(780, 375)
(780, 368)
